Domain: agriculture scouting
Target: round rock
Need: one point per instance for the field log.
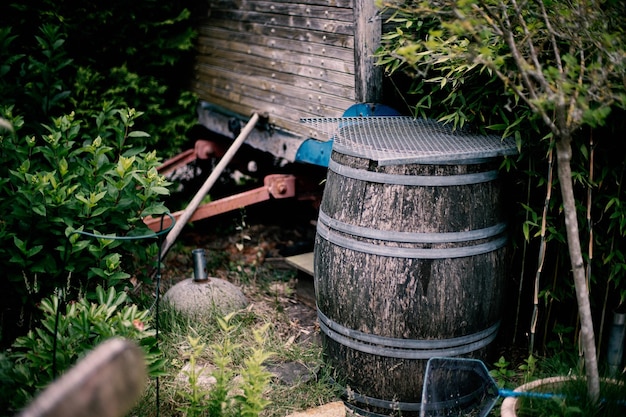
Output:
(206, 297)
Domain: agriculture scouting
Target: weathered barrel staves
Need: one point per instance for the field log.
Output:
(410, 255)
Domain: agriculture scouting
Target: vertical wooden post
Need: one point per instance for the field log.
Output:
(367, 32)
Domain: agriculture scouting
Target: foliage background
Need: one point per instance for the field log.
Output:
(476, 99)
(125, 54)
(91, 89)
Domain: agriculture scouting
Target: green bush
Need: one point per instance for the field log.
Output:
(27, 367)
(63, 182)
(473, 97)
(59, 57)
(77, 168)
(73, 153)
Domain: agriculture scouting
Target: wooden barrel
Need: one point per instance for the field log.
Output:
(409, 264)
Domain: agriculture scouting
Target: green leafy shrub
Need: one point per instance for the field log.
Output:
(167, 116)
(502, 373)
(76, 164)
(72, 155)
(27, 367)
(63, 182)
(59, 57)
(475, 100)
(34, 82)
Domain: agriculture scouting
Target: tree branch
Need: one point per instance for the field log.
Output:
(551, 32)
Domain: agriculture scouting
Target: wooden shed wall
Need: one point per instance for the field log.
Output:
(288, 58)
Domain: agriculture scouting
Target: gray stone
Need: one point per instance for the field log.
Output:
(290, 373)
(205, 298)
(204, 374)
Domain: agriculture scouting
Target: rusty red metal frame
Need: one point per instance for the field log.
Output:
(177, 161)
(274, 186)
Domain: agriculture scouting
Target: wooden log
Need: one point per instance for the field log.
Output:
(106, 383)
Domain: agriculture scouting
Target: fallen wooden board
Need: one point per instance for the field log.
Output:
(305, 287)
(334, 409)
(304, 262)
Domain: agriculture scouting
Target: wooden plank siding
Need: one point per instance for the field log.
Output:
(286, 58)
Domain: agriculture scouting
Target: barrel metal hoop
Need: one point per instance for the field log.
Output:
(377, 402)
(453, 404)
(405, 348)
(412, 253)
(410, 237)
(418, 180)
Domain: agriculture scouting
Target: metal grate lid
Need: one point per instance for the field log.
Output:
(393, 140)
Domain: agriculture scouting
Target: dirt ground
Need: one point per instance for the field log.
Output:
(248, 247)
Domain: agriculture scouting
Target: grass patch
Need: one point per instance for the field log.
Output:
(236, 354)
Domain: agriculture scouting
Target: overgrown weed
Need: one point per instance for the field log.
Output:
(237, 352)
